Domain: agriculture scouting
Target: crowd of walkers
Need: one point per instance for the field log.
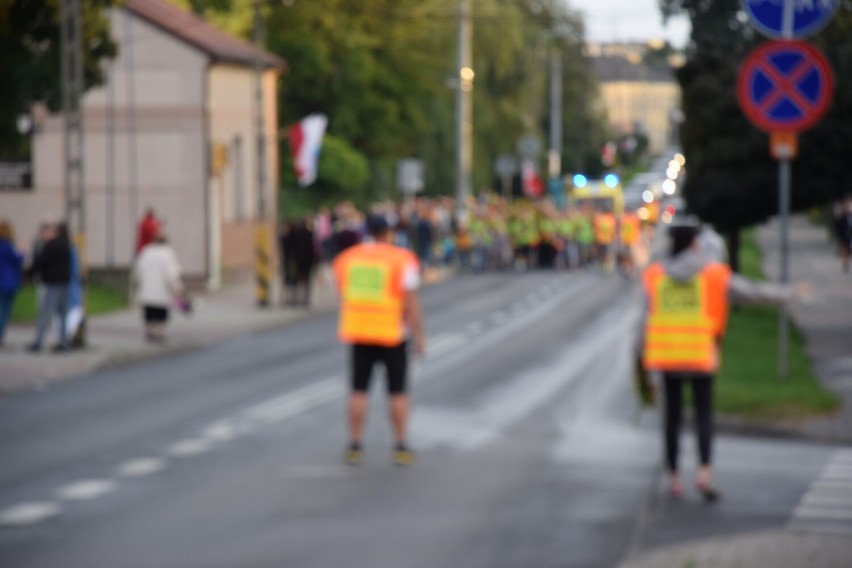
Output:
(493, 235)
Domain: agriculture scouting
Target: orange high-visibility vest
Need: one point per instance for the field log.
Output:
(630, 229)
(369, 277)
(604, 228)
(686, 319)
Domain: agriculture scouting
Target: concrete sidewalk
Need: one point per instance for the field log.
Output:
(826, 323)
(118, 338)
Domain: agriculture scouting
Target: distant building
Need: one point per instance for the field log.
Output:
(172, 129)
(637, 98)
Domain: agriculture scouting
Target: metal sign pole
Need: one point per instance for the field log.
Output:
(784, 212)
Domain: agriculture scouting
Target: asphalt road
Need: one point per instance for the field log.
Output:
(530, 448)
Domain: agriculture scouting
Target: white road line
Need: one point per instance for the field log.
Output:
(824, 513)
(842, 500)
(86, 489)
(453, 343)
(29, 513)
(189, 447)
(474, 328)
(140, 467)
(834, 471)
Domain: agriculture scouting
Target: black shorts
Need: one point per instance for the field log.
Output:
(395, 360)
(155, 314)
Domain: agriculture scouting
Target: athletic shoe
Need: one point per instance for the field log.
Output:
(354, 454)
(403, 456)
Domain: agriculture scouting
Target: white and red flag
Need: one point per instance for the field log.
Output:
(530, 182)
(305, 143)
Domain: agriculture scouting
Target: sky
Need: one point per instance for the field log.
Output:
(629, 20)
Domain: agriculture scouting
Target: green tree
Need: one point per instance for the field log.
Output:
(382, 71)
(732, 179)
(30, 60)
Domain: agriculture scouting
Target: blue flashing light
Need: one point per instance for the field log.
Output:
(611, 180)
(580, 180)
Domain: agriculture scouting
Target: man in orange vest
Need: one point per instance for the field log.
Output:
(687, 297)
(605, 231)
(379, 311)
(631, 233)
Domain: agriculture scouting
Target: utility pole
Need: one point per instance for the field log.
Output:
(71, 38)
(262, 256)
(464, 110)
(554, 156)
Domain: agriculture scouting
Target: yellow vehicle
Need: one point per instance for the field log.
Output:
(603, 195)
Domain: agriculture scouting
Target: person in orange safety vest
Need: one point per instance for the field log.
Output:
(379, 311)
(687, 298)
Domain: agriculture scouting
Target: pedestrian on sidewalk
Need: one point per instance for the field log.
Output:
(149, 228)
(687, 298)
(158, 278)
(843, 233)
(52, 268)
(11, 274)
(379, 312)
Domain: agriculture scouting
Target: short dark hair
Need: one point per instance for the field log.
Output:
(377, 226)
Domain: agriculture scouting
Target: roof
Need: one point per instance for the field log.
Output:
(195, 31)
(610, 69)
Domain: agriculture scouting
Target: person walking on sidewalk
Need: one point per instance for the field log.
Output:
(52, 268)
(149, 227)
(843, 232)
(379, 311)
(158, 277)
(11, 274)
(687, 311)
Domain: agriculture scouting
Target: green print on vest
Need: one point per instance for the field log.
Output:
(679, 297)
(367, 282)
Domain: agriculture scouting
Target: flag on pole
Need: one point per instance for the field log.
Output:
(305, 143)
(530, 182)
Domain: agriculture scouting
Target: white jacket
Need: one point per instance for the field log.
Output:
(157, 276)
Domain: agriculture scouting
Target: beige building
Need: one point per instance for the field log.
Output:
(639, 98)
(172, 129)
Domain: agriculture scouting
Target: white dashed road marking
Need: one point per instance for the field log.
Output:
(141, 467)
(29, 513)
(188, 448)
(86, 489)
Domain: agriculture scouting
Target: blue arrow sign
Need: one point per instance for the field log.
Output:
(789, 18)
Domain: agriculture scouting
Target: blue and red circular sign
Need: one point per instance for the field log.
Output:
(785, 86)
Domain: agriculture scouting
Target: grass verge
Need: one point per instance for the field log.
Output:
(748, 384)
(99, 300)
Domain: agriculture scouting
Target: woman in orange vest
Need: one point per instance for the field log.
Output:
(379, 308)
(687, 296)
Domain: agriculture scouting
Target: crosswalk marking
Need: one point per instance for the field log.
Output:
(827, 506)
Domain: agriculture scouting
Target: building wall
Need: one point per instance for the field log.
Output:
(649, 103)
(163, 165)
(235, 187)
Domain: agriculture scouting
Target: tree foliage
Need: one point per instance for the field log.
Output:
(733, 181)
(30, 60)
(382, 71)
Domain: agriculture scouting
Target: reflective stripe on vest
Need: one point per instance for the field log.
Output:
(371, 310)
(684, 320)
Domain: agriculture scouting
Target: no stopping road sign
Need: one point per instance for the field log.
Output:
(785, 86)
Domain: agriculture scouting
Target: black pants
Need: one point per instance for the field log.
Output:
(702, 397)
